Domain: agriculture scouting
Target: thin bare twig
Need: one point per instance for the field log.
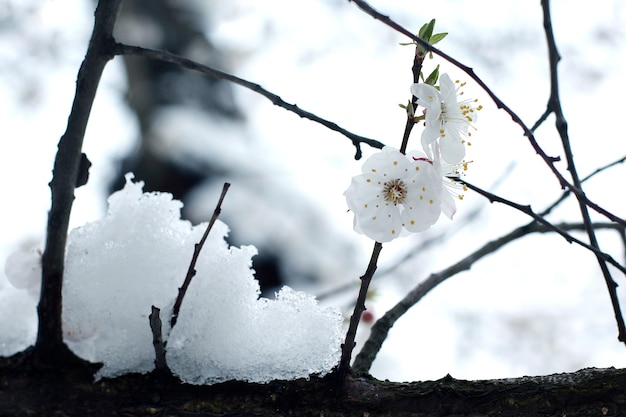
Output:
(164, 56)
(526, 209)
(191, 272)
(157, 340)
(567, 193)
(359, 308)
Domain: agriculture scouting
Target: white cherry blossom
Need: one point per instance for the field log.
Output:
(446, 118)
(451, 189)
(394, 193)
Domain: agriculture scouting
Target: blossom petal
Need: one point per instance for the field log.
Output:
(422, 206)
(388, 164)
(383, 225)
(448, 90)
(430, 133)
(452, 147)
(448, 206)
(429, 98)
(373, 216)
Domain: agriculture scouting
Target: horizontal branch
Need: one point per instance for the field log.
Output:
(122, 49)
(588, 392)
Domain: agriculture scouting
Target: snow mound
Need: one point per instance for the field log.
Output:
(138, 255)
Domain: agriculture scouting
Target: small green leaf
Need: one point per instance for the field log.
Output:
(426, 31)
(437, 37)
(420, 33)
(433, 77)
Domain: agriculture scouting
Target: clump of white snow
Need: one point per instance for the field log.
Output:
(138, 255)
(23, 268)
(19, 294)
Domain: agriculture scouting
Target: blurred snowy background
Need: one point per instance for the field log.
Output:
(537, 306)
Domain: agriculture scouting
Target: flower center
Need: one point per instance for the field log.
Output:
(395, 191)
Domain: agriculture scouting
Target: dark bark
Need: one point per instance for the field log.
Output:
(27, 391)
(67, 175)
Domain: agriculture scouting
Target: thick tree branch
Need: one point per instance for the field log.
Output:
(66, 176)
(164, 56)
(589, 392)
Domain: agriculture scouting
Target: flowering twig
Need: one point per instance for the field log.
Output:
(380, 330)
(348, 346)
(364, 6)
(191, 272)
(122, 49)
(416, 69)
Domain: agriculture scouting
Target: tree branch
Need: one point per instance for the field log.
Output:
(359, 308)
(121, 49)
(191, 272)
(65, 178)
(540, 219)
(554, 105)
(156, 326)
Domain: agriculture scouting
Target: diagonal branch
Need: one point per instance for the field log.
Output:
(554, 105)
(540, 219)
(121, 49)
(191, 271)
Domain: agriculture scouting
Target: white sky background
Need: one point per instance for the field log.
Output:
(538, 306)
